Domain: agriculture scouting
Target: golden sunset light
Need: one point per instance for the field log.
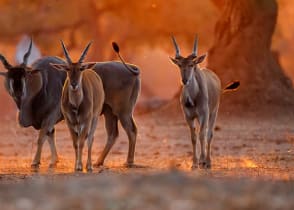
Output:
(112, 104)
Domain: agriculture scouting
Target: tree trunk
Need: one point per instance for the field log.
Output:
(242, 51)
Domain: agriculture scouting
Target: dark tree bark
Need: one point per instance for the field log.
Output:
(242, 51)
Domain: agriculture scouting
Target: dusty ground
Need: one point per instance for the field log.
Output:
(253, 168)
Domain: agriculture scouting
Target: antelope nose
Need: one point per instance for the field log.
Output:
(74, 85)
(184, 81)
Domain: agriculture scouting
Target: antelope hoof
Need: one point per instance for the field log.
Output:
(98, 164)
(194, 166)
(208, 164)
(202, 164)
(79, 167)
(89, 168)
(205, 165)
(35, 165)
(129, 165)
(53, 165)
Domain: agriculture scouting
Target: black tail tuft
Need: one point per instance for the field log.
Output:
(133, 70)
(233, 85)
(115, 47)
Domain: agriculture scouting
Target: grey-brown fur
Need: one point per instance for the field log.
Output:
(200, 100)
(81, 109)
(122, 88)
(36, 91)
(81, 104)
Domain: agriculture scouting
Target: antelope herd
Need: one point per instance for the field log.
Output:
(52, 89)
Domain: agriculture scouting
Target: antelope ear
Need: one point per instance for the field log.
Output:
(60, 67)
(200, 59)
(4, 74)
(174, 60)
(88, 65)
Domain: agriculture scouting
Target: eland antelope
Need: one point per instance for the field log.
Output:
(81, 103)
(200, 100)
(36, 91)
(121, 82)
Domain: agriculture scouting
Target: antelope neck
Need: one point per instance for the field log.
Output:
(76, 97)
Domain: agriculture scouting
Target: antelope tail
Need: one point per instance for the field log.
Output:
(231, 86)
(134, 70)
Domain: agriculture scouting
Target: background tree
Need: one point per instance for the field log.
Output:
(241, 40)
(242, 50)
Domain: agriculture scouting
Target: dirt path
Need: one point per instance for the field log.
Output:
(257, 149)
(171, 191)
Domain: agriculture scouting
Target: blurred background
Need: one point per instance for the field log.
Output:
(248, 40)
